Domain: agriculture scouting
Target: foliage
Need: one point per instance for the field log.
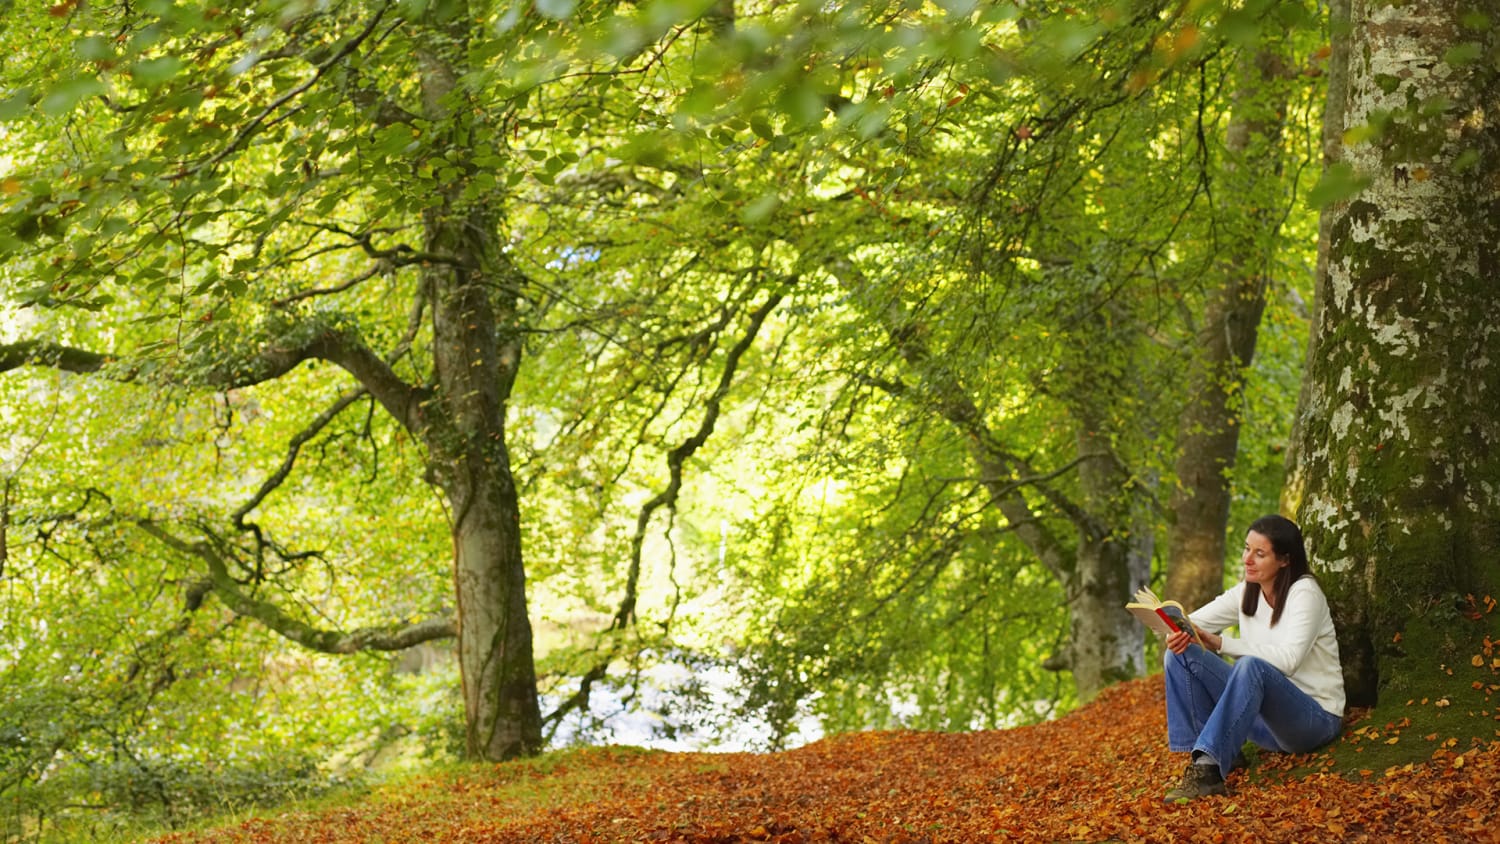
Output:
(709, 222)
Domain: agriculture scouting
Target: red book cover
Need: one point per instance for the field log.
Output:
(1172, 623)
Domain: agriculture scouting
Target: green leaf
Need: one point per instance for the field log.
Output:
(802, 104)
(151, 73)
(93, 48)
(15, 105)
(67, 94)
(556, 9)
(761, 209)
(1363, 133)
(762, 127)
(1240, 27)
(392, 140)
(1339, 183)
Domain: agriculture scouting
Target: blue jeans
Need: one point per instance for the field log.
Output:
(1214, 707)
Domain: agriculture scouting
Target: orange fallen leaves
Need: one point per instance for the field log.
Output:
(1096, 775)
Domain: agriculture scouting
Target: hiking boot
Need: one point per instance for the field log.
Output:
(1197, 781)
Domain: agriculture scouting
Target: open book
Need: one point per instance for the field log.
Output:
(1165, 617)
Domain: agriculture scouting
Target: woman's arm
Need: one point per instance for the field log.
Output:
(1286, 644)
(1209, 619)
(1220, 613)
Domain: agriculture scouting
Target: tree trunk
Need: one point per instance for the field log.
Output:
(1112, 562)
(1334, 125)
(1209, 432)
(475, 366)
(1105, 648)
(1399, 452)
(477, 354)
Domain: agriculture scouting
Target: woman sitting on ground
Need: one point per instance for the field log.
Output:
(1285, 689)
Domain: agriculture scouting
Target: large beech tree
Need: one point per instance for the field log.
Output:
(183, 199)
(217, 201)
(396, 200)
(1397, 475)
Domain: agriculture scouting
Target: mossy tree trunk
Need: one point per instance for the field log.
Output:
(1397, 474)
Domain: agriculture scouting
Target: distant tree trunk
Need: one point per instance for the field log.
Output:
(475, 373)
(1113, 560)
(1398, 476)
(1208, 434)
(477, 354)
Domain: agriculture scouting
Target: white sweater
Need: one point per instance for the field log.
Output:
(1302, 645)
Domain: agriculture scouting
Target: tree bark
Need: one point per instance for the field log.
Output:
(1114, 560)
(477, 355)
(1398, 475)
(1334, 124)
(1208, 434)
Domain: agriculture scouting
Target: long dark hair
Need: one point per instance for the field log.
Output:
(1286, 543)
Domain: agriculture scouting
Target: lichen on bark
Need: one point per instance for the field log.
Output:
(1397, 479)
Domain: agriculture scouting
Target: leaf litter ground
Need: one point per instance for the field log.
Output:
(1097, 774)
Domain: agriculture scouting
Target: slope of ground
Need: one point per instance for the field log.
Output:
(1096, 775)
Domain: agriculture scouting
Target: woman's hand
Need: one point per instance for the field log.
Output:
(1179, 641)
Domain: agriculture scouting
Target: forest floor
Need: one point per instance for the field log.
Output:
(1097, 774)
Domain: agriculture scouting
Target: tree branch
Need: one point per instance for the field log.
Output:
(54, 355)
(264, 117)
(679, 455)
(284, 470)
(391, 637)
(348, 352)
(954, 404)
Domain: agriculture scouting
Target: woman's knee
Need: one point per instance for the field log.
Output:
(1175, 662)
(1251, 665)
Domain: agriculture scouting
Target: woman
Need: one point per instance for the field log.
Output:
(1285, 689)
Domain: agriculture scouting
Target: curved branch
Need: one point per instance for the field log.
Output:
(580, 698)
(342, 348)
(679, 455)
(938, 383)
(391, 637)
(348, 352)
(264, 117)
(54, 355)
(293, 448)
